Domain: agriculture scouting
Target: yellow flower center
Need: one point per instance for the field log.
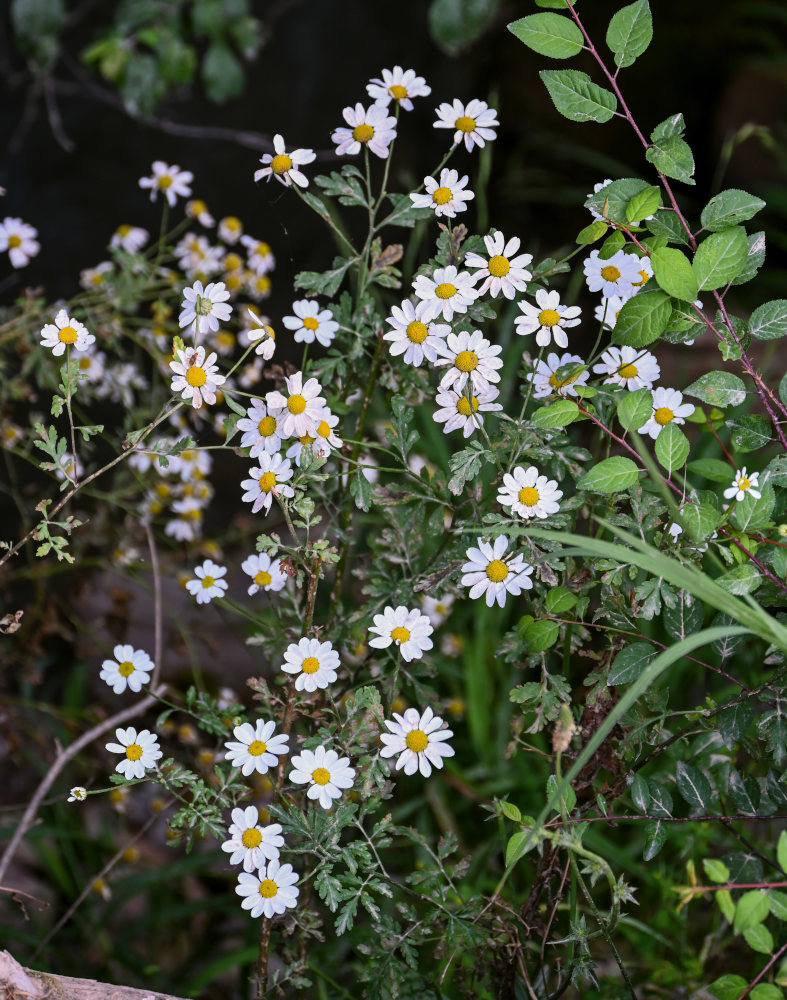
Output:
(14, 241)
(363, 132)
(321, 775)
(96, 278)
(126, 668)
(549, 317)
(466, 361)
(397, 91)
(267, 426)
(123, 230)
(296, 404)
(558, 383)
(165, 181)
(262, 284)
(663, 415)
(257, 748)
(306, 439)
(208, 581)
(196, 376)
(744, 483)
(233, 261)
(311, 323)
(251, 837)
(644, 276)
(310, 665)
(324, 429)
(499, 266)
(497, 570)
(416, 740)
(610, 273)
(628, 370)
(234, 280)
(417, 331)
(267, 481)
(465, 123)
(268, 888)
(197, 207)
(445, 290)
(262, 578)
(467, 406)
(441, 195)
(133, 751)
(528, 496)
(68, 334)
(400, 634)
(281, 163)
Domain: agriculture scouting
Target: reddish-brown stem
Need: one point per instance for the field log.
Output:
(771, 962)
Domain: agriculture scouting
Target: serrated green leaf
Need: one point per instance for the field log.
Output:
(592, 232)
(674, 125)
(673, 271)
(560, 413)
(755, 257)
(576, 96)
(716, 870)
(539, 635)
(559, 600)
(750, 432)
(700, 520)
(729, 208)
(728, 987)
(642, 319)
(719, 389)
(610, 476)
(635, 408)
(672, 447)
(549, 34)
(720, 258)
(693, 786)
(753, 907)
(630, 662)
(672, 156)
(767, 991)
(510, 811)
(361, 490)
(760, 939)
(712, 468)
(769, 321)
(630, 32)
(643, 204)
(611, 201)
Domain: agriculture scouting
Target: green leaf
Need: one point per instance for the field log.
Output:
(766, 991)
(750, 432)
(516, 844)
(724, 901)
(674, 273)
(685, 617)
(630, 32)
(672, 126)
(712, 468)
(559, 600)
(640, 795)
(667, 224)
(720, 258)
(693, 786)
(728, 987)
(719, 389)
(455, 24)
(753, 907)
(576, 96)
(630, 662)
(755, 257)
(592, 232)
(610, 476)
(644, 203)
(642, 319)
(361, 490)
(672, 447)
(729, 208)
(612, 200)
(716, 871)
(555, 4)
(769, 321)
(655, 838)
(740, 580)
(781, 851)
(568, 793)
(510, 811)
(540, 635)
(222, 73)
(700, 520)
(324, 282)
(560, 413)
(759, 938)
(672, 156)
(549, 34)
(635, 408)
(778, 900)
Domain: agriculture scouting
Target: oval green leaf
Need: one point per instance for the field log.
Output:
(642, 319)
(610, 476)
(549, 34)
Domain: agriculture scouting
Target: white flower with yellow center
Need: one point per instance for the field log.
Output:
(272, 890)
(473, 124)
(301, 408)
(631, 367)
(93, 277)
(311, 323)
(258, 286)
(504, 270)
(437, 609)
(256, 748)
(409, 630)
(614, 276)
(196, 377)
(264, 333)
(558, 375)
(65, 332)
(398, 85)
(197, 209)
(265, 573)
(129, 238)
(489, 572)
(413, 336)
(140, 749)
(313, 662)
(447, 291)
(325, 772)
(170, 180)
(230, 229)
(744, 484)
(251, 843)
(529, 494)
(644, 274)
(418, 739)
(326, 440)
(445, 197)
(372, 127)
(195, 254)
(77, 794)
(668, 407)
(207, 582)
(259, 255)
(19, 239)
(261, 431)
(458, 409)
(204, 308)
(548, 319)
(284, 166)
(295, 450)
(608, 309)
(267, 480)
(471, 359)
(131, 668)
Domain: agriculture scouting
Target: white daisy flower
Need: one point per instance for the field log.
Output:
(457, 410)
(529, 494)
(326, 440)
(195, 254)
(208, 583)
(141, 751)
(548, 319)
(607, 311)
(596, 188)
(742, 484)
(372, 127)
(474, 123)
(204, 308)
(196, 377)
(197, 209)
(419, 739)
(313, 661)
(310, 322)
(397, 85)
(502, 271)
(171, 180)
(258, 286)
(259, 255)
(285, 166)
(77, 794)
(614, 276)
(437, 609)
(65, 332)
(410, 630)
(668, 407)
(268, 479)
(447, 197)
(261, 429)
(471, 358)
(269, 892)
(265, 573)
(263, 332)
(447, 291)
(257, 748)
(93, 277)
(488, 572)
(412, 335)
(325, 772)
(19, 239)
(546, 380)
(302, 407)
(92, 365)
(129, 238)
(645, 272)
(230, 229)
(69, 468)
(631, 367)
(131, 668)
(250, 843)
